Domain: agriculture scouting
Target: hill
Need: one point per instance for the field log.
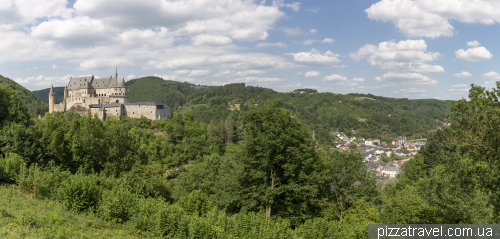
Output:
(24, 94)
(43, 95)
(370, 115)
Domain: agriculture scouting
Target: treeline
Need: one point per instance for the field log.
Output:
(34, 106)
(257, 177)
(371, 116)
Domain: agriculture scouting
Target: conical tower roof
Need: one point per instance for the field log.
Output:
(51, 89)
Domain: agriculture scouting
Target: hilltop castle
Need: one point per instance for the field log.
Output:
(104, 97)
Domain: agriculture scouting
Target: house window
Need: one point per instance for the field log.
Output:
(116, 101)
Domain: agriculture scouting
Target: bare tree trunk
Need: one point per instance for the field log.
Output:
(268, 207)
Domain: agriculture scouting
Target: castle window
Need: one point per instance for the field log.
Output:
(83, 100)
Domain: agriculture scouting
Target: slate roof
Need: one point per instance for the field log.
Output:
(101, 83)
(104, 106)
(80, 82)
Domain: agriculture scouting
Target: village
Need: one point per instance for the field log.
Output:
(383, 159)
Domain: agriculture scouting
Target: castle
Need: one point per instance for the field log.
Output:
(105, 97)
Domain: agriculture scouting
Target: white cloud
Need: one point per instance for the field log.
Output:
(339, 66)
(473, 44)
(358, 79)
(199, 72)
(265, 44)
(228, 73)
(413, 78)
(309, 42)
(463, 74)
(312, 74)
(223, 73)
(353, 84)
(474, 54)
(181, 72)
(102, 63)
(130, 77)
(334, 77)
(326, 40)
(459, 90)
(492, 75)
(229, 60)
(42, 82)
(294, 6)
(409, 55)
(167, 77)
(432, 19)
(460, 85)
(242, 20)
(315, 9)
(490, 84)
(250, 72)
(205, 39)
(15, 14)
(313, 31)
(257, 79)
(314, 57)
(413, 90)
(292, 31)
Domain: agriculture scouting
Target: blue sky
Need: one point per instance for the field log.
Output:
(396, 48)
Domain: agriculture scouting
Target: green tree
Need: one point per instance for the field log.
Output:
(280, 163)
(229, 130)
(12, 109)
(346, 181)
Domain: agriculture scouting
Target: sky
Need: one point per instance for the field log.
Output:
(395, 48)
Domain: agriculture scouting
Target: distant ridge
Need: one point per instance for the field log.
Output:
(43, 95)
(24, 94)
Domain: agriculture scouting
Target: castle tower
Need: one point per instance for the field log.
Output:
(65, 97)
(52, 99)
(116, 74)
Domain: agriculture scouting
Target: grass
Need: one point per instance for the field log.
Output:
(25, 217)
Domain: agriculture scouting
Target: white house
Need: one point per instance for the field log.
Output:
(391, 170)
(368, 141)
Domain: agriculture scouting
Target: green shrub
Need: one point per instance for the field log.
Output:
(144, 217)
(196, 203)
(10, 166)
(118, 205)
(136, 185)
(80, 192)
(171, 221)
(42, 184)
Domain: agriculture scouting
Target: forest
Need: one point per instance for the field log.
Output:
(371, 116)
(255, 173)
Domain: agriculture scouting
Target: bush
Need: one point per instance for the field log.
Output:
(145, 217)
(196, 203)
(117, 205)
(42, 184)
(10, 166)
(137, 185)
(80, 192)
